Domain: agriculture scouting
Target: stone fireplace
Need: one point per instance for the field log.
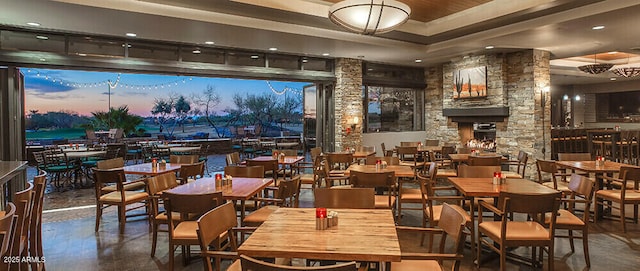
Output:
(515, 83)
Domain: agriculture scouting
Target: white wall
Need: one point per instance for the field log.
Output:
(391, 139)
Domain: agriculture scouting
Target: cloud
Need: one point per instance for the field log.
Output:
(42, 86)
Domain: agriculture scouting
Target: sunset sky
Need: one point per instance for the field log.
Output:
(84, 92)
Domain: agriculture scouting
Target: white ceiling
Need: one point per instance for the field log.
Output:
(562, 27)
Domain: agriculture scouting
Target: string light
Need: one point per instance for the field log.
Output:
(283, 91)
(113, 84)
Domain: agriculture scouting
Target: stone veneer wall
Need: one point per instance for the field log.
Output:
(514, 80)
(348, 102)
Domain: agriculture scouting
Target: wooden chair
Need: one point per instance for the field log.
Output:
(190, 171)
(157, 217)
(339, 162)
(20, 236)
(627, 193)
(353, 198)
(6, 228)
(557, 180)
(432, 142)
(233, 159)
(442, 157)
(330, 178)
(247, 172)
(60, 167)
(408, 156)
(271, 168)
(382, 180)
(182, 230)
(183, 158)
(506, 233)
(315, 177)
(410, 143)
(35, 226)
(133, 152)
(413, 195)
(451, 227)
(582, 189)
(120, 197)
(250, 264)
(287, 152)
(484, 160)
(580, 156)
(432, 204)
(219, 223)
(385, 152)
(520, 163)
(287, 195)
(113, 163)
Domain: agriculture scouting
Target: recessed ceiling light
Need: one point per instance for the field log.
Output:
(488, 47)
(41, 37)
(326, 54)
(42, 59)
(612, 52)
(305, 61)
(273, 49)
(131, 35)
(126, 44)
(33, 24)
(81, 54)
(196, 51)
(255, 57)
(598, 27)
(209, 42)
(613, 79)
(418, 60)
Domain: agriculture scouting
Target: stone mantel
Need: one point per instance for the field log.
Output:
(481, 114)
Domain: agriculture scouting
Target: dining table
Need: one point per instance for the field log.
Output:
(290, 162)
(361, 235)
(184, 150)
(471, 188)
(241, 189)
(147, 169)
(400, 171)
(591, 167)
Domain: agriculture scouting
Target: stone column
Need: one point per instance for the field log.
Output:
(348, 103)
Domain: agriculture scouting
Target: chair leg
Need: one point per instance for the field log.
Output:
(154, 241)
(171, 256)
(622, 218)
(98, 215)
(503, 258)
(551, 257)
(121, 218)
(585, 245)
(573, 250)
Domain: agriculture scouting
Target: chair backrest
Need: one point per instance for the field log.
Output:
(191, 170)
(391, 160)
(233, 159)
(432, 142)
(339, 160)
(549, 167)
(366, 148)
(464, 150)
(409, 143)
(630, 174)
(354, 198)
(113, 151)
(407, 153)
(24, 202)
(383, 148)
(162, 182)
(191, 204)
(523, 159)
(288, 191)
(582, 156)
(529, 203)
(446, 150)
(214, 223)
(466, 171)
(452, 223)
(183, 159)
(267, 166)
(35, 227)
(581, 187)
(117, 162)
(484, 160)
(251, 264)
(372, 179)
(91, 134)
(6, 227)
(247, 172)
(315, 152)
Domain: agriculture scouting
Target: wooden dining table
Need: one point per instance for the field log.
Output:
(241, 189)
(484, 187)
(290, 162)
(400, 171)
(146, 169)
(609, 168)
(361, 235)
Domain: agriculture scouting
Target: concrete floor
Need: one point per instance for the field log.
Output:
(70, 242)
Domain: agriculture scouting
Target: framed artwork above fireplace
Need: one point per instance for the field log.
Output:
(470, 82)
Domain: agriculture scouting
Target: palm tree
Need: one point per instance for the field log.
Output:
(117, 118)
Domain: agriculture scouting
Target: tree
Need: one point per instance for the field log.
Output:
(182, 108)
(162, 108)
(118, 118)
(209, 100)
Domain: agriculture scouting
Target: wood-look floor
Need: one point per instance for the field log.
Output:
(71, 244)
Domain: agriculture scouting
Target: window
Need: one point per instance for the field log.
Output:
(393, 109)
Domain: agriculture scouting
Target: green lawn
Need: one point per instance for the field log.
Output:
(70, 133)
